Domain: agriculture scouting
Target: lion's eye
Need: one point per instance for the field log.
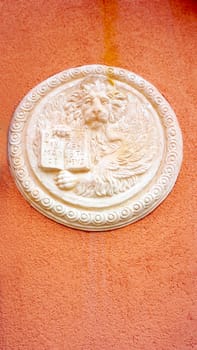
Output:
(88, 101)
(104, 101)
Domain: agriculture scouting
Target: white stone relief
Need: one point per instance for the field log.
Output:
(94, 144)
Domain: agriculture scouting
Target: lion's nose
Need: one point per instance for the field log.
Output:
(97, 106)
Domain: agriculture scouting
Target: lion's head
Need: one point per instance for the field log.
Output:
(96, 101)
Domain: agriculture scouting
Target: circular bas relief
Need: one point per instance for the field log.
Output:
(95, 147)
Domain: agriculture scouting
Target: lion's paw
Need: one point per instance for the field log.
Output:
(65, 180)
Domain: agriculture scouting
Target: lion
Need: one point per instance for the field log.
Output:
(99, 108)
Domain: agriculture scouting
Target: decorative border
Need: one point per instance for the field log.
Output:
(106, 219)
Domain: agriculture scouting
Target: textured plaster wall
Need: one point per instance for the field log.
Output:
(130, 289)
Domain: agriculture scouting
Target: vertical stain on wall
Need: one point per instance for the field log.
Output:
(109, 16)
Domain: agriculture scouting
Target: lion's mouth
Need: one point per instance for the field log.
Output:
(95, 120)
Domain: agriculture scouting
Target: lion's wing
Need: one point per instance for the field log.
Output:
(136, 153)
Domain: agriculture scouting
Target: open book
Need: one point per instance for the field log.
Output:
(70, 152)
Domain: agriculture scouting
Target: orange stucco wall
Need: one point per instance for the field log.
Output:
(129, 289)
